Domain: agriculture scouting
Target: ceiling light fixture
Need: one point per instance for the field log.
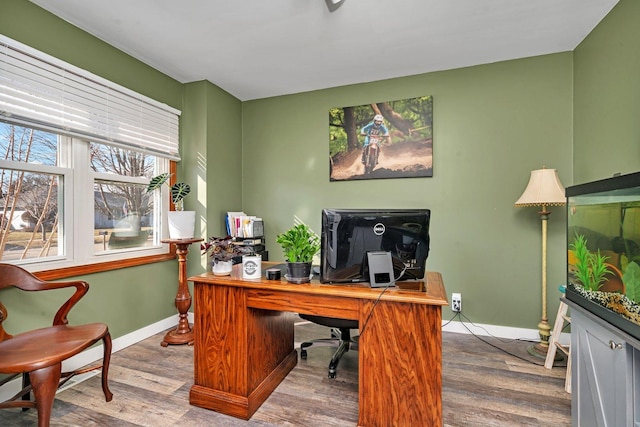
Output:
(334, 4)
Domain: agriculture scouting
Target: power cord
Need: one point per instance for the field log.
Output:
(371, 311)
(451, 320)
(460, 316)
(378, 300)
(504, 340)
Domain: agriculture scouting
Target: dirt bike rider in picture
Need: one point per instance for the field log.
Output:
(374, 130)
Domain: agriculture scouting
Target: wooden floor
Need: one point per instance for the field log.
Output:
(482, 386)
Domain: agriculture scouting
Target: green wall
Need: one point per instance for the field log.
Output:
(607, 97)
(129, 298)
(493, 124)
(211, 140)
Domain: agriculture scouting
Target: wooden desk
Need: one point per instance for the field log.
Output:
(244, 344)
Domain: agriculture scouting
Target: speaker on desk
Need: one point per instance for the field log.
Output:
(380, 269)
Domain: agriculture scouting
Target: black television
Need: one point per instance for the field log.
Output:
(349, 234)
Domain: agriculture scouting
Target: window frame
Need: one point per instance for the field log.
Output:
(77, 183)
(109, 265)
(42, 92)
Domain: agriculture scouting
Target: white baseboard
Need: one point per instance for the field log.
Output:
(505, 332)
(94, 354)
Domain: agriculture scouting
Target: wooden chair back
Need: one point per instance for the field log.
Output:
(37, 355)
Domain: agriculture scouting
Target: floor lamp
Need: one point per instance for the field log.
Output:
(544, 189)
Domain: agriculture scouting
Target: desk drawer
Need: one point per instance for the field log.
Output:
(330, 306)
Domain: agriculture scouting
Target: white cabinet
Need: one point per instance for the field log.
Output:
(605, 369)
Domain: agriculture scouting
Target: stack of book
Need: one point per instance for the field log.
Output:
(239, 224)
(248, 231)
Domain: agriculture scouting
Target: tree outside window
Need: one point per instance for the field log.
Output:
(38, 167)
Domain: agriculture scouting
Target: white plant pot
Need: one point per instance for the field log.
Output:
(222, 268)
(182, 224)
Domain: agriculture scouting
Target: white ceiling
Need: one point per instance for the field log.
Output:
(260, 48)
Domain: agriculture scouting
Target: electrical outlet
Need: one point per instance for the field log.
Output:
(456, 302)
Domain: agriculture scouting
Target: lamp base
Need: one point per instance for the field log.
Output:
(539, 351)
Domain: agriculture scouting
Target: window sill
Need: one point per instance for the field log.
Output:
(62, 273)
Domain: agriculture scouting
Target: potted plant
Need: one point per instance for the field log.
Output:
(222, 251)
(299, 244)
(181, 222)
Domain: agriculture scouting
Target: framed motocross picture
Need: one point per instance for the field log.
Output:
(392, 139)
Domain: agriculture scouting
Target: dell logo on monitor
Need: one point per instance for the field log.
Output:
(378, 229)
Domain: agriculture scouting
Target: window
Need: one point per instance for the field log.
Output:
(77, 154)
(65, 201)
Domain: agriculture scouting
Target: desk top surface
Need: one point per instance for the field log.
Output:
(409, 291)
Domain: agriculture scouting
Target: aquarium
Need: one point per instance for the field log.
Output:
(603, 247)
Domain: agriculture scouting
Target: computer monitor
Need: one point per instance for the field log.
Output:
(349, 234)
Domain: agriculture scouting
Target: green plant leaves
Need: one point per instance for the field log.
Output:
(158, 181)
(299, 243)
(591, 268)
(179, 190)
(631, 280)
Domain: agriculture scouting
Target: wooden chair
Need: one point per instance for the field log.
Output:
(37, 355)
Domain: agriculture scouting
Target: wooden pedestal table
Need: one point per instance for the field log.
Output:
(182, 334)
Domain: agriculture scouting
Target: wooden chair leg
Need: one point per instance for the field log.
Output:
(45, 383)
(105, 366)
(26, 383)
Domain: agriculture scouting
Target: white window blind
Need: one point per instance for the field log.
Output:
(41, 91)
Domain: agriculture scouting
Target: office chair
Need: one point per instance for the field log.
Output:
(341, 336)
(37, 355)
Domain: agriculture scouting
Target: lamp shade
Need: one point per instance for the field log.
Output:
(544, 189)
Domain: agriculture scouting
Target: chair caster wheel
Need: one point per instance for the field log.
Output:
(303, 354)
(332, 375)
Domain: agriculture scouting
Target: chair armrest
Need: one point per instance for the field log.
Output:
(17, 277)
(82, 288)
(60, 318)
